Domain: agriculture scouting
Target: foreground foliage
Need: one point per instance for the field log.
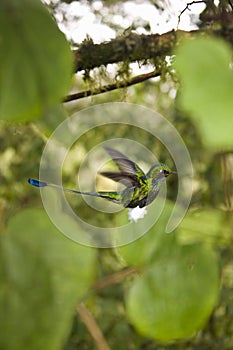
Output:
(163, 291)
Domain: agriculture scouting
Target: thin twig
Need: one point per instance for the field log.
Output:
(92, 327)
(114, 86)
(187, 8)
(115, 278)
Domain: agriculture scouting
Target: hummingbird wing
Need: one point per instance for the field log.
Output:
(129, 170)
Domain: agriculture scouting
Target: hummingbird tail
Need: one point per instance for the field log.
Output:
(112, 196)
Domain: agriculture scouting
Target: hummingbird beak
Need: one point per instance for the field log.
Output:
(174, 172)
(186, 175)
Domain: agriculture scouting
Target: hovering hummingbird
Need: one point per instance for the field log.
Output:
(140, 189)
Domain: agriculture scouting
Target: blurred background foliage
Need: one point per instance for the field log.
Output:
(162, 291)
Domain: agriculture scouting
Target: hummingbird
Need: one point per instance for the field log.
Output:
(140, 189)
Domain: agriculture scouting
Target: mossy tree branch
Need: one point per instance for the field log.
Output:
(135, 47)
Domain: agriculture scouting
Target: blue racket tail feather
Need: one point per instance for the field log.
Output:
(37, 183)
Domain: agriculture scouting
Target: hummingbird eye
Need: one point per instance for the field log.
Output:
(165, 172)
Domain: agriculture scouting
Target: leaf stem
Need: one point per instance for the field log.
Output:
(92, 327)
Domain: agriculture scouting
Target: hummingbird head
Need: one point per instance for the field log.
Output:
(159, 172)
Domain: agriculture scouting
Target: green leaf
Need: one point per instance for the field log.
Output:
(207, 225)
(206, 90)
(35, 60)
(43, 277)
(153, 243)
(174, 298)
(51, 118)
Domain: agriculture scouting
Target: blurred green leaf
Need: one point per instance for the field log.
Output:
(35, 60)
(153, 243)
(206, 90)
(174, 298)
(51, 118)
(206, 225)
(43, 277)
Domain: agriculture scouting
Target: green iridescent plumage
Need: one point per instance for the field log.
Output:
(140, 188)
